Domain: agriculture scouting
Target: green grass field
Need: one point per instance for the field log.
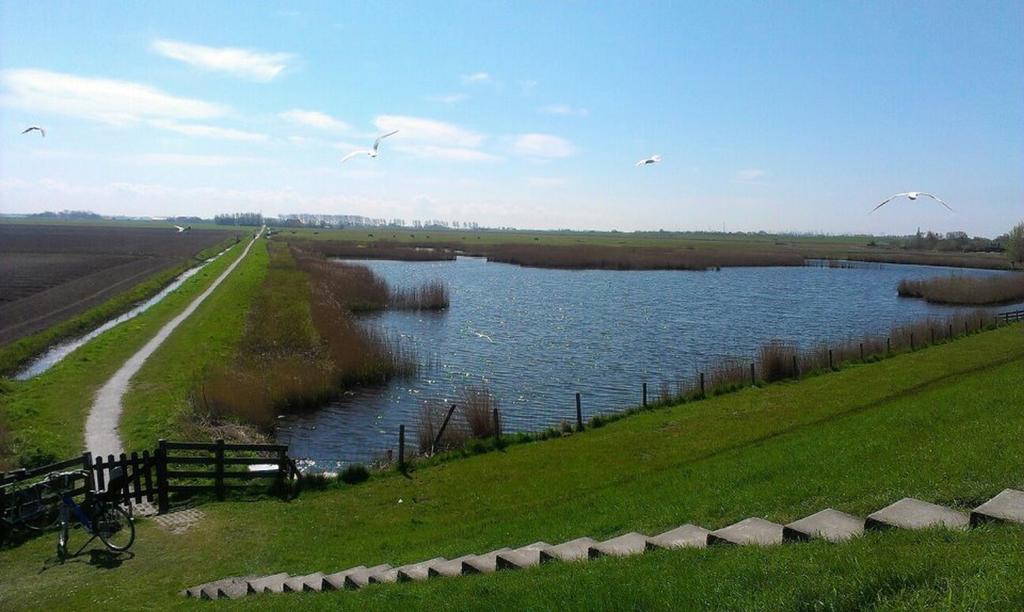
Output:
(940, 424)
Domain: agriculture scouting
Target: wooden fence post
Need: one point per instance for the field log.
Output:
(796, 367)
(163, 501)
(579, 413)
(90, 482)
(888, 345)
(830, 359)
(98, 469)
(218, 474)
(125, 479)
(950, 336)
(147, 467)
(440, 432)
(497, 425)
(862, 351)
(401, 448)
(702, 384)
(136, 478)
(753, 380)
(645, 395)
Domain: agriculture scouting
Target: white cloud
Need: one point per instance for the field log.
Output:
(542, 145)
(447, 153)
(207, 131)
(185, 159)
(428, 130)
(104, 100)
(545, 181)
(452, 98)
(750, 175)
(563, 109)
(315, 119)
(243, 63)
(476, 77)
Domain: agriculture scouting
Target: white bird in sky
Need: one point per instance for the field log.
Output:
(183, 229)
(371, 152)
(650, 160)
(42, 132)
(913, 195)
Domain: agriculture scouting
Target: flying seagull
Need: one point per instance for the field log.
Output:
(42, 132)
(183, 229)
(913, 195)
(650, 160)
(371, 152)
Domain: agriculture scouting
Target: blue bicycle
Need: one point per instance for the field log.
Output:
(101, 517)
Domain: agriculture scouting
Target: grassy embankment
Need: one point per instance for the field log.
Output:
(934, 424)
(45, 416)
(1002, 289)
(21, 351)
(633, 250)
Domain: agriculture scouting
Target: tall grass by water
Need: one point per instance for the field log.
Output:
(1001, 289)
(471, 419)
(302, 344)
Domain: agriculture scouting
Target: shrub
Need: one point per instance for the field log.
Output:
(354, 474)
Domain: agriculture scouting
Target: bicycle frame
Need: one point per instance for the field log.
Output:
(69, 505)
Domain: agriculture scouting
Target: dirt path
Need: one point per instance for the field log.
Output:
(101, 435)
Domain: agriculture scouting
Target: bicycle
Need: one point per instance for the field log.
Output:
(101, 517)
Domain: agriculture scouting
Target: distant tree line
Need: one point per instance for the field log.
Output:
(955, 242)
(67, 214)
(249, 218)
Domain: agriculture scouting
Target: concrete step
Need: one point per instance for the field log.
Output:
(573, 550)
(751, 531)
(361, 578)
(523, 557)
(685, 536)
(336, 581)
(631, 543)
(238, 588)
(210, 588)
(417, 571)
(483, 564)
(910, 513)
(309, 582)
(1008, 506)
(831, 525)
(452, 567)
(267, 584)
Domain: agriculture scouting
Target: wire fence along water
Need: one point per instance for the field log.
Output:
(774, 362)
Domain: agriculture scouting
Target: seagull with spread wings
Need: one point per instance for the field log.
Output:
(911, 195)
(41, 131)
(371, 152)
(654, 159)
(183, 229)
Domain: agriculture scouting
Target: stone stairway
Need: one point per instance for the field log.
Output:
(829, 524)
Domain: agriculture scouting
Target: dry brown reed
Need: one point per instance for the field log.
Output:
(634, 258)
(431, 418)
(999, 289)
(432, 295)
(478, 404)
(776, 361)
(375, 250)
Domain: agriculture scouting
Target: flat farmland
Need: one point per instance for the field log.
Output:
(50, 273)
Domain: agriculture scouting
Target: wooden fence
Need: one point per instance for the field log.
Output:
(174, 467)
(1013, 316)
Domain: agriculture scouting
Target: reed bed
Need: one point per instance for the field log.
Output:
(381, 249)
(431, 295)
(473, 419)
(966, 290)
(301, 346)
(578, 257)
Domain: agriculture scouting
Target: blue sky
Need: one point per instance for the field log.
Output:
(777, 116)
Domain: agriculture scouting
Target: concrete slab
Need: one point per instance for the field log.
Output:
(685, 536)
(752, 531)
(573, 550)
(336, 581)
(483, 564)
(361, 578)
(910, 513)
(209, 590)
(829, 524)
(521, 558)
(235, 590)
(309, 582)
(268, 584)
(1008, 506)
(418, 571)
(452, 567)
(631, 543)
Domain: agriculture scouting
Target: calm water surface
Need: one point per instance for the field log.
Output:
(538, 336)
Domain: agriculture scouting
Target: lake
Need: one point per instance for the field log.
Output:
(537, 336)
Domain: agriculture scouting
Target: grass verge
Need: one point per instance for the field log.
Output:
(931, 424)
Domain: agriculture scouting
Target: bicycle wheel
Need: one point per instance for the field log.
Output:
(115, 527)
